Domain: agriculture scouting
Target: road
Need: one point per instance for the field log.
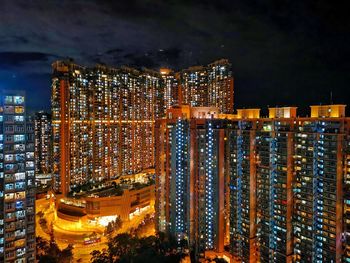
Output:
(66, 232)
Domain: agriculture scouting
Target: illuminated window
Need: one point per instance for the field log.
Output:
(18, 100)
(8, 99)
(19, 137)
(19, 118)
(19, 109)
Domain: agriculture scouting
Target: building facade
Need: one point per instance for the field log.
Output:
(298, 172)
(102, 122)
(17, 180)
(285, 182)
(103, 118)
(171, 89)
(208, 86)
(190, 183)
(43, 143)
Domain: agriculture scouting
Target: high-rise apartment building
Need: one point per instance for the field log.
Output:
(194, 86)
(299, 174)
(102, 122)
(287, 199)
(208, 86)
(274, 172)
(241, 177)
(171, 89)
(103, 118)
(346, 201)
(321, 150)
(220, 85)
(190, 183)
(43, 142)
(17, 180)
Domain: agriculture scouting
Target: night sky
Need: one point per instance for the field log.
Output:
(282, 52)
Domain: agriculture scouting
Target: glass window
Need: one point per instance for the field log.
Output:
(8, 99)
(19, 147)
(30, 155)
(20, 214)
(9, 186)
(30, 182)
(20, 176)
(8, 157)
(30, 173)
(8, 118)
(8, 167)
(19, 109)
(20, 185)
(20, 157)
(9, 196)
(19, 118)
(30, 164)
(18, 99)
(9, 128)
(9, 109)
(20, 195)
(19, 137)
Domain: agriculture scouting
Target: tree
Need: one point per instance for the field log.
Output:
(43, 222)
(122, 245)
(66, 255)
(126, 248)
(42, 245)
(215, 260)
(47, 259)
(48, 251)
(113, 226)
(99, 257)
(40, 214)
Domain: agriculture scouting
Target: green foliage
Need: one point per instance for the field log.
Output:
(40, 214)
(125, 248)
(215, 260)
(99, 256)
(151, 181)
(140, 230)
(118, 190)
(42, 221)
(49, 252)
(113, 226)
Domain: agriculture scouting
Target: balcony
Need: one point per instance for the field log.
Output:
(10, 227)
(8, 191)
(9, 132)
(10, 256)
(10, 219)
(10, 179)
(31, 229)
(10, 247)
(10, 238)
(20, 224)
(10, 209)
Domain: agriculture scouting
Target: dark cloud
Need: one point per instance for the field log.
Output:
(18, 58)
(170, 56)
(282, 52)
(143, 61)
(114, 51)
